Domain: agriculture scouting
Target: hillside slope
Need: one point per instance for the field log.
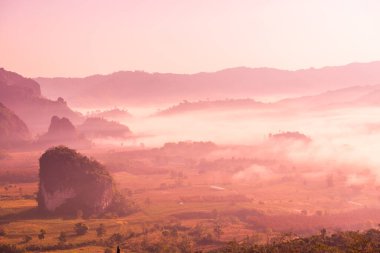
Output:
(23, 96)
(13, 130)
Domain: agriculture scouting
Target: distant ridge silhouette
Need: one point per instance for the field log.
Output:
(137, 87)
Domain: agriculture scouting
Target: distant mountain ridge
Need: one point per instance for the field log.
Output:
(356, 96)
(128, 87)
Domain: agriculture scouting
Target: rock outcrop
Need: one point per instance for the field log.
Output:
(13, 131)
(61, 128)
(70, 182)
(62, 132)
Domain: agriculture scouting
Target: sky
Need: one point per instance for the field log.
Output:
(78, 38)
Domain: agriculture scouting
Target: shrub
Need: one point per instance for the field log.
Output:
(42, 234)
(2, 232)
(7, 248)
(116, 238)
(101, 230)
(62, 238)
(80, 228)
(121, 206)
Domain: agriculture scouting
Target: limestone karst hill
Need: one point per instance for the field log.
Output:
(62, 132)
(70, 181)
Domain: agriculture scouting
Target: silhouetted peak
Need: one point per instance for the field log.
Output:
(60, 126)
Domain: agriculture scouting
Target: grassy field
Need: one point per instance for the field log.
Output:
(194, 202)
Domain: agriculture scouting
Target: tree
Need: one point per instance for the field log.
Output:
(80, 228)
(62, 238)
(101, 230)
(42, 234)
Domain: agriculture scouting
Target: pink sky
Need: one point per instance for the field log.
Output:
(78, 38)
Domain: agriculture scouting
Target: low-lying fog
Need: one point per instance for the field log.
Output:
(345, 139)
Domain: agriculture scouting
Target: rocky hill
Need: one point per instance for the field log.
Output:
(13, 131)
(70, 182)
(62, 132)
(23, 96)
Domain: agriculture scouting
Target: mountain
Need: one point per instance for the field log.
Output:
(62, 132)
(128, 87)
(23, 96)
(13, 131)
(70, 181)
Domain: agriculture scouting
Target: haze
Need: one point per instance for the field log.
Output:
(189, 126)
(71, 38)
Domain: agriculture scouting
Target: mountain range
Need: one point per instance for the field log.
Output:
(356, 96)
(137, 87)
